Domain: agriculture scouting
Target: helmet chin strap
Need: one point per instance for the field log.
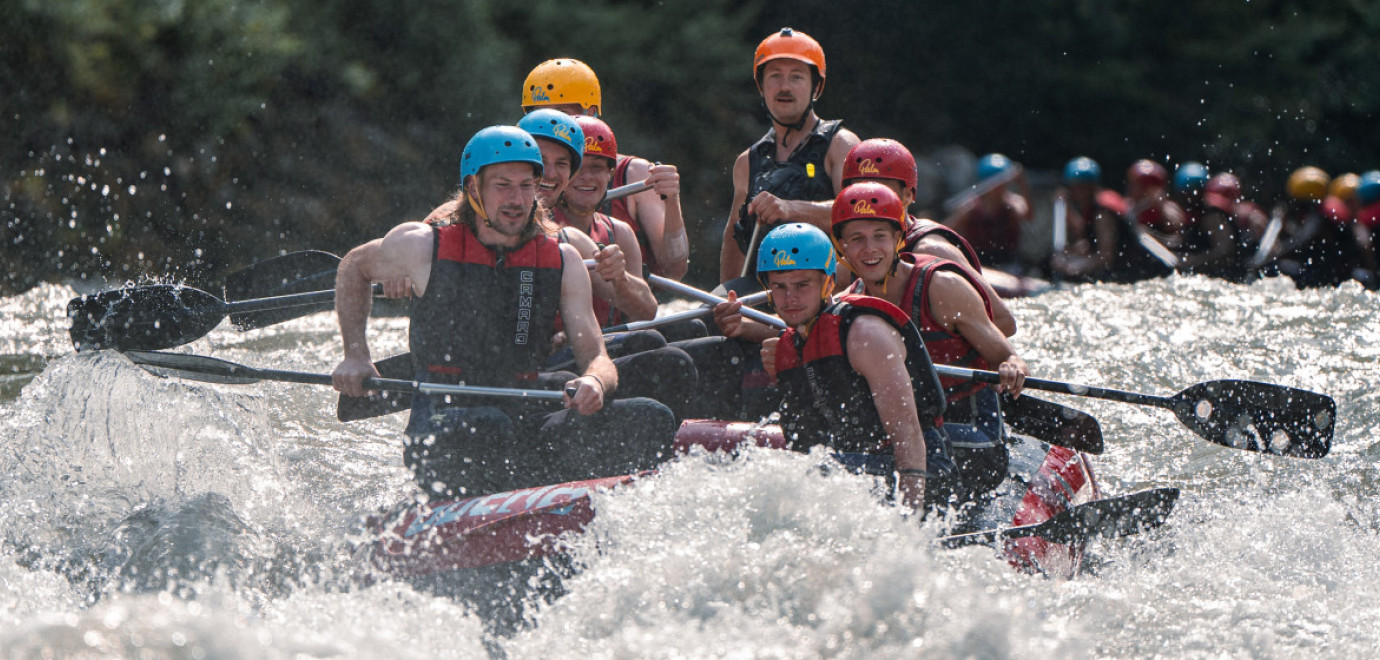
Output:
(478, 205)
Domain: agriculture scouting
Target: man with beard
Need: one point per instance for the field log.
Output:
(489, 285)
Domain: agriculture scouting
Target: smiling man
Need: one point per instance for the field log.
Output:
(794, 171)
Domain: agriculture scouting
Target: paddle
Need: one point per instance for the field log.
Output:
(1059, 235)
(1111, 517)
(1240, 414)
(1053, 423)
(980, 189)
(214, 370)
(294, 272)
(165, 315)
(1268, 240)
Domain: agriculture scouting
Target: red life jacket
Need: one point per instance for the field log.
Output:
(944, 348)
(618, 208)
(601, 230)
(826, 401)
(921, 228)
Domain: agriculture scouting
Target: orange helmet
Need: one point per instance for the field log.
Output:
(791, 45)
(1308, 183)
(599, 139)
(1344, 186)
(560, 81)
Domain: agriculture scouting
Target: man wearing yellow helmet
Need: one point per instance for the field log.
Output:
(1317, 248)
(570, 86)
(796, 169)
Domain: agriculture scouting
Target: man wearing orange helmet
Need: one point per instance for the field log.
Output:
(570, 86)
(890, 163)
(795, 170)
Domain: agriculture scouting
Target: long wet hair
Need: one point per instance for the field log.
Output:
(539, 221)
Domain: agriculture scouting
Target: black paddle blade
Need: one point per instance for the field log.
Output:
(1053, 423)
(1262, 417)
(295, 272)
(192, 367)
(354, 408)
(1112, 517)
(143, 317)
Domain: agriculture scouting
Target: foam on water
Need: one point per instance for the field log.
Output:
(245, 498)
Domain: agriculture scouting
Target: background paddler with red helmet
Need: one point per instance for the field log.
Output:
(946, 301)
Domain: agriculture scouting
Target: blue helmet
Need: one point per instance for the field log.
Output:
(1191, 176)
(1368, 191)
(991, 165)
(499, 144)
(1082, 170)
(556, 126)
(795, 246)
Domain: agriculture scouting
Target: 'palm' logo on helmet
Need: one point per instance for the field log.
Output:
(539, 94)
(783, 258)
(593, 145)
(862, 207)
(562, 132)
(868, 167)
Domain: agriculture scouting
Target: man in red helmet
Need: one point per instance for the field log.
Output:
(886, 161)
(570, 86)
(946, 300)
(795, 170)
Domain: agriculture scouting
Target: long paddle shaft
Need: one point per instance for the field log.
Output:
(1240, 414)
(214, 370)
(164, 315)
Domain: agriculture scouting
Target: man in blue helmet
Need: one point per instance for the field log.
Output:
(489, 285)
(854, 374)
(993, 220)
(1094, 233)
(1209, 235)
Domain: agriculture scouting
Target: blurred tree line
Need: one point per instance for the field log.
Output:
(176, 140)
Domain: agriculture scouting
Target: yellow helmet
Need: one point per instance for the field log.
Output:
(1308, 183)
(560, 81)
(1344, 186)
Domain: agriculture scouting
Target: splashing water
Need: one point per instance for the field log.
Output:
(149, 516)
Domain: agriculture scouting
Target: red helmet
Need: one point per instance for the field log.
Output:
(881, 158)
(1225, 184)
(867, 201)
(1147, 172)
(599, 140)
(790, 45)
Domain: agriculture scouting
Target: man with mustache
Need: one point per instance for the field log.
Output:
(794, 171)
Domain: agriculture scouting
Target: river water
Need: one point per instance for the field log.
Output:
(160, 518)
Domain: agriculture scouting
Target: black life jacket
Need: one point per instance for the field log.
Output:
(488, 315)
(802, 176)
(825, 401)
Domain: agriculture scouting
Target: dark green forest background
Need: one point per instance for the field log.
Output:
(177, 139)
